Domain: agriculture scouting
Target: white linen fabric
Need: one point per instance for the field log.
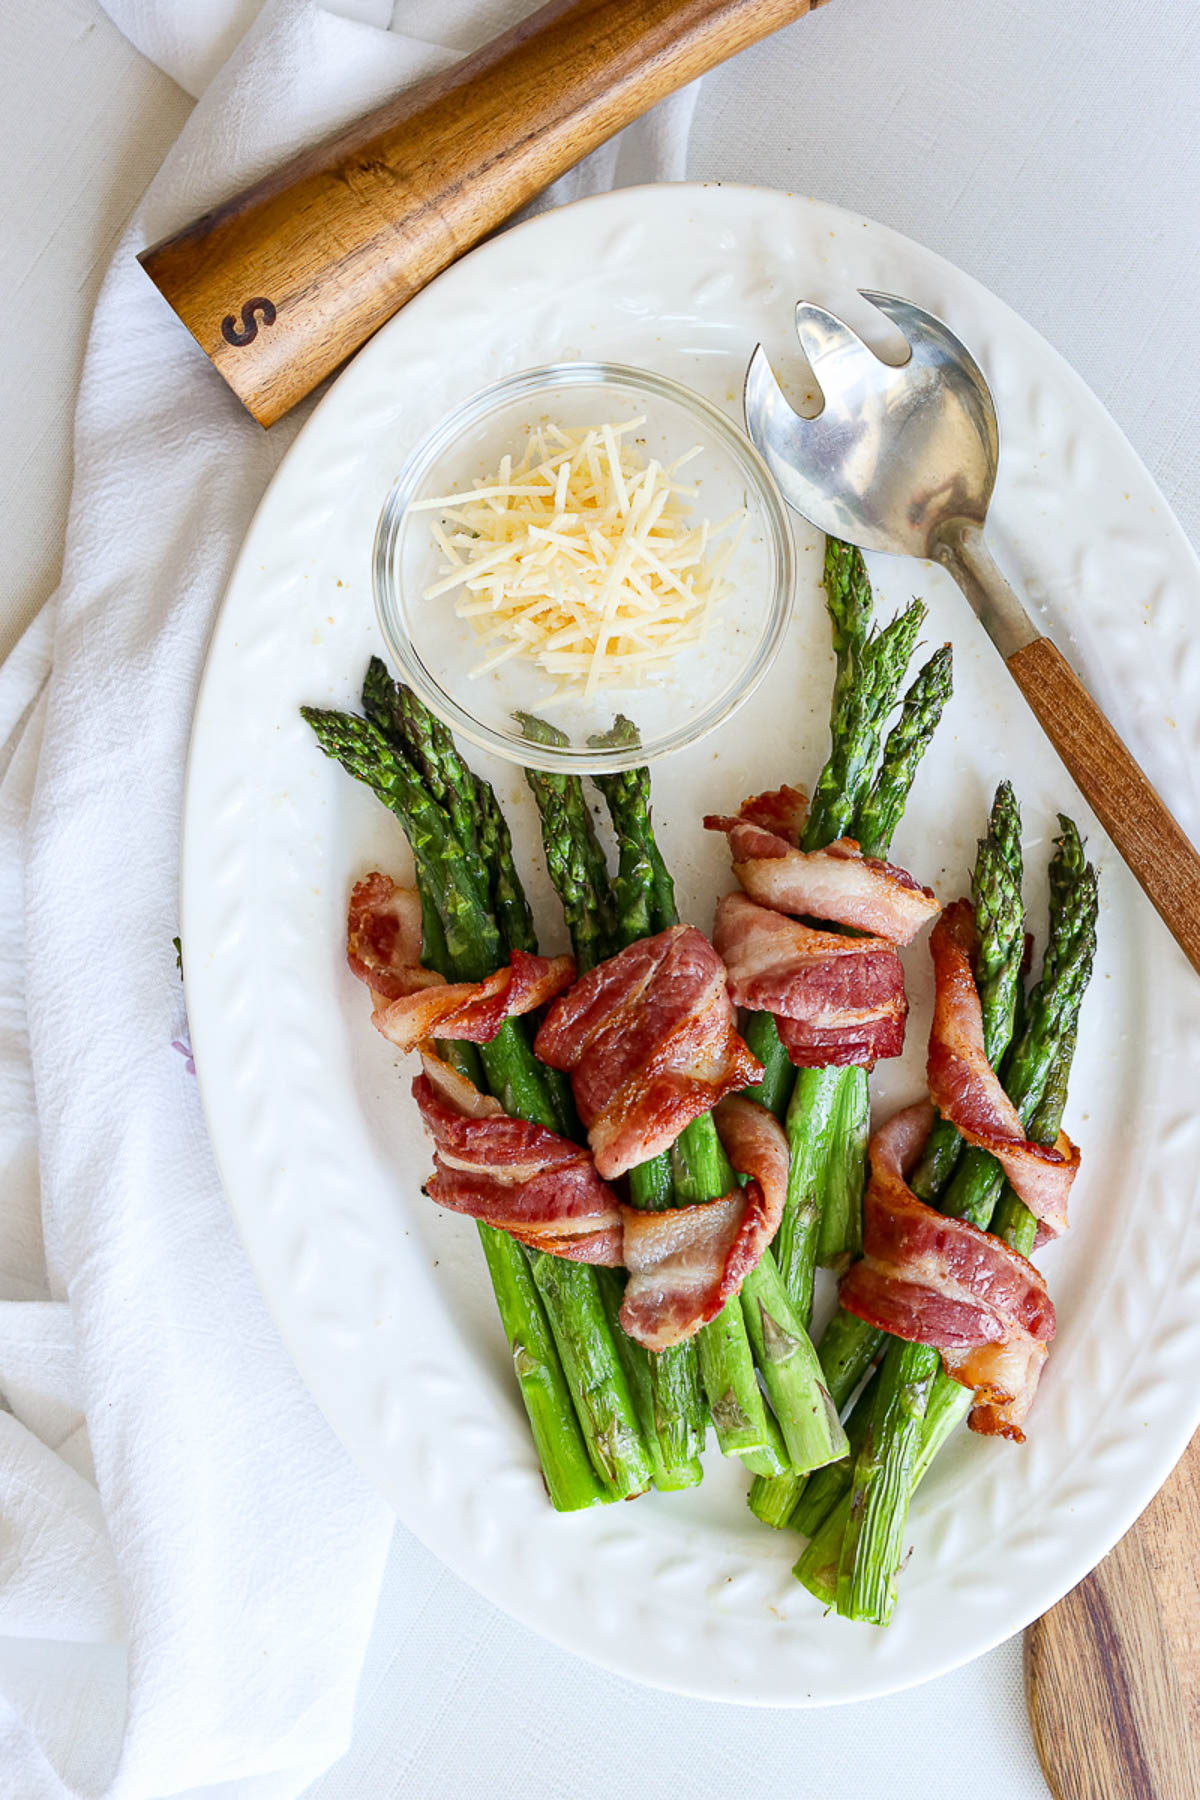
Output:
(189, 1563)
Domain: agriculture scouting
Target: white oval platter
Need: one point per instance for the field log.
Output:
(382, 1300)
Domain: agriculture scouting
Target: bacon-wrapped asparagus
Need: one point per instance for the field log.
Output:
(781, 1348)
(856, 1551)
(603, 917)
(457, 888)
(599, 921)
(827, 1109)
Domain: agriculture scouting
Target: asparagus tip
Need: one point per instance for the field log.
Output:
(623, 735)
(541, 731)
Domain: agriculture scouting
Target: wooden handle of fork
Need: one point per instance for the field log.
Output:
(281, 283)
(1158, 853)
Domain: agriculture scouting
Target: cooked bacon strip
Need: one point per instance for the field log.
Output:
(783, 813)
(650, 1043)
(965, 1088)
(383, 938)
(474, 1010)
(836, 1000)
(1005, 1380)
(455, 1090)
(685, 1263)
(383, 948)
(517, 1176)
(935, 1280)
(841, 884)
(543, 1190)
(858, 1044)
(838, 883)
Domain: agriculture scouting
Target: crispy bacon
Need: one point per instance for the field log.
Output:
(685, 1263)
(837, 883)
(935, 1280)
(383, 948)
(544, 1190)
(1004, 1378)
(520, 1177)
(383, 938)
(967, 1090)
(649, 1040)
(836, 1000)
(782, 813)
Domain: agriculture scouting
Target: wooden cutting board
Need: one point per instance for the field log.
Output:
(1112, 1673)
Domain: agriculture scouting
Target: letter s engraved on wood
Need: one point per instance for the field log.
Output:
(249, 327)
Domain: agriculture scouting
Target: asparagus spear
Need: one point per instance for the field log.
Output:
(668, 1384)
(569, 1291)
(873, 1537)
(700, 1171)
(999, 920)
(696, 1168)
(813, 1119)
(824, 1510)
(478, 822)
(574, 857)
(828, 1112)
(859, 709)
(1012, 1220)
(849, 1345)
(781, 1348)
(627, 794)
(571, 1480)
(639, 1365)
(882, 807)
(882, 1470)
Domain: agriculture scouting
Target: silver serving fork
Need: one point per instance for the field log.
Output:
(904, 460)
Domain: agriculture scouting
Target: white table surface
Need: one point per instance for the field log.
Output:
(1051, 150)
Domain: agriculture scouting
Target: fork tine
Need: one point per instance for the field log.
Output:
(935, 346)
(903, 313)
(928, 337)
(762, 396)
(835, 352)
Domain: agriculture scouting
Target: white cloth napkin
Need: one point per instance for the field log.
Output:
(189, 1563)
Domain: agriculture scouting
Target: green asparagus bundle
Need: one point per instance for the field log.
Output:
(601, 919)
(827, 1109)
(869, 670)
(779, 1346)
(894, 1429)
(764, 1330)
(1039, 1063)
(471, 804)
(850, 1345)
(458, 879)
(856, 1546)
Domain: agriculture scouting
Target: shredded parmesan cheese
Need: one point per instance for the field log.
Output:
(583, 559)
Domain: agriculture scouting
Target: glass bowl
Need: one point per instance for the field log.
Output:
(437, 651)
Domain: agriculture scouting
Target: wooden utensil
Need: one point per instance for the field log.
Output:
(281, 283)
(1112, 1673)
